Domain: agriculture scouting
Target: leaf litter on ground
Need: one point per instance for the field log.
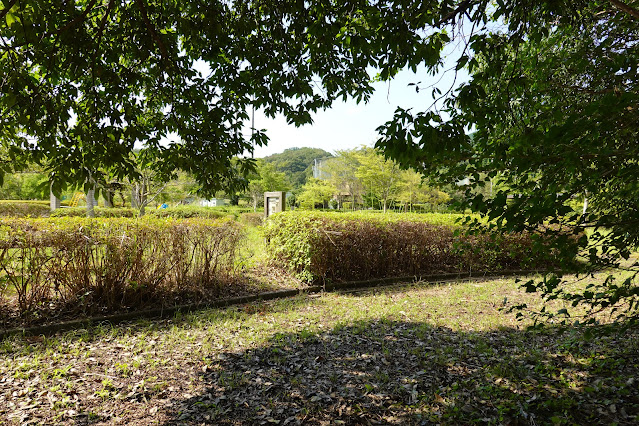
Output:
(405, 355)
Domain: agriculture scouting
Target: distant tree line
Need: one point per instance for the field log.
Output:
(349, 180)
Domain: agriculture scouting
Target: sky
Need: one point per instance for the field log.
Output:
(349, 125)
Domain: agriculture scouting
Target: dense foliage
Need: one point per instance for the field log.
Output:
(554, 101)
(364, 178)
(89, 80)
(25, 186)
(553, 97)
(358, 246)
(103, 265)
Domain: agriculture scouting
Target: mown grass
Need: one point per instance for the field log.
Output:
(415, 354)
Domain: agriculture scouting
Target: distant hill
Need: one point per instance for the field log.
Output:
(297, 163)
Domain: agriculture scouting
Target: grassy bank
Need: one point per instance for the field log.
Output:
(407, 355)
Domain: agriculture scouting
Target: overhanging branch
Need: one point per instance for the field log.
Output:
(460, 9)
(152, 32)
(4, 12)
(626, 8)
(79, 17)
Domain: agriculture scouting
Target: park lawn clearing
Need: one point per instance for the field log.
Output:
(415, 354)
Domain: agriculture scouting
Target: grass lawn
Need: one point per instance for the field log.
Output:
(405, 355)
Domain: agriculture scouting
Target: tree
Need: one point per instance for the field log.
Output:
(25, 186)
(342, 174)
(554, 100)
(553, 96)
(84, 82)
(378, 175)
(265, 179)
(315, 192)
(412, 189)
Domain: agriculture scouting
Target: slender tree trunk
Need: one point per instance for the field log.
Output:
(54, 202)
(91, 202)
(138, 197)
(108, 198)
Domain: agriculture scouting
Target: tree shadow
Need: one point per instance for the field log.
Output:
(394, 372)
(97, 331)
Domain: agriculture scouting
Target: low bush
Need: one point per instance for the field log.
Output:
(24, 208)
(252, 219)
(98, 211)
(187, 212)
(106, 265)
(358, 246)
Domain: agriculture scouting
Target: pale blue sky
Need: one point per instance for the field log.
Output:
(349, 125)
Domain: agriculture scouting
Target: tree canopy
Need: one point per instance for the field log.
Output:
(84, 82)
(554, 101)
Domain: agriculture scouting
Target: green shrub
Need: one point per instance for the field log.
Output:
(252, 219)
(98, 211)
(186, 212)
(24, 208)
(358, 246)
(105, 265)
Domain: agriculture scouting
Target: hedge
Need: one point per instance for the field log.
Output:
(24, 208)
(98, 211)
(186, 212)
(340, 247)
(180, 212)
(89, 266)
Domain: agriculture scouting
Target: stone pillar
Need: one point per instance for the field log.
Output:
(274, 202)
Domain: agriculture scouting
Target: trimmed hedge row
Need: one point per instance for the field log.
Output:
(41, 209)
(98, 211)
(182, 212)
(24, 208)
(341, 247)
(104, 265)
(186, 212)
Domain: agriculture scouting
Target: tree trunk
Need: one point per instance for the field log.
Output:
(54, 202)
(108, 198)
(91, 202)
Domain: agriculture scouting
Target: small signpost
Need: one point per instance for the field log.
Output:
(274, 202)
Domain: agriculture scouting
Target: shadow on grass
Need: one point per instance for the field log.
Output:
(390, 372)
(208, 317)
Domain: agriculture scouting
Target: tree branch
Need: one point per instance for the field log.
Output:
(152, 32)
(626, 8)
(99, 37)
(78, 18)
(8, 8)
(461, 8)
